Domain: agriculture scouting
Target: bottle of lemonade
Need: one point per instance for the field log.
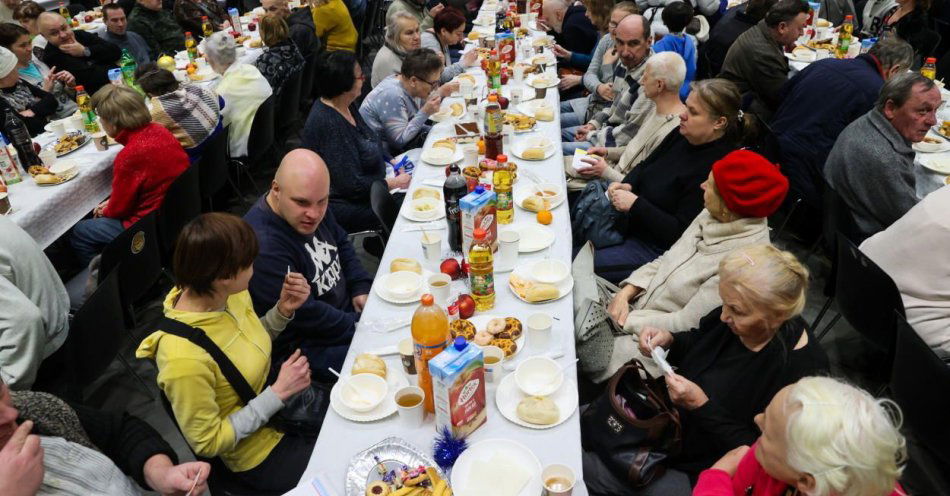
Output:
(844, 37)
(206, 29)
(191, 46)
(481, 271)
(88, 113)
(929, 69)
(501, 179)
(430, 335)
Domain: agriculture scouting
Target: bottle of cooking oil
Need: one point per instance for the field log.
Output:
(481, 272)
(206, 28)
(929, 69)
(844, 37)
(501, 179)
(84, 103)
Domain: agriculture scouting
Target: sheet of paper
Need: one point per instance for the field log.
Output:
(576, 161)
(659, 356)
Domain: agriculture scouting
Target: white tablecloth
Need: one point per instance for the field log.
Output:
(48, 212)
(340, 439)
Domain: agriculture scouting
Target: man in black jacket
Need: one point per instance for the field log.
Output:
(734, 22)
(573, 31)
(84, 55)
(81, 450)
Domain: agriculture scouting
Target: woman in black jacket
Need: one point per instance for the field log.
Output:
(661, 195)
(730, 367)
(910, 22)
(34, 106)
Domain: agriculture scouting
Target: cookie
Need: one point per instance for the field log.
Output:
(462, 328)
(513, 329)
(378, 488)
(506, 345)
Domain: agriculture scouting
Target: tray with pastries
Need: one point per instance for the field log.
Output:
(467, 132)
(395, 467)
(69, 143)
(506, 333)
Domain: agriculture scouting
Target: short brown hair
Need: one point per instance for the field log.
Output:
(274, 29)
(121, 106)
(212, 247)
(27, 10)
(110, 6)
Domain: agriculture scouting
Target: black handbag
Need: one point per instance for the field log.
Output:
(633, 427)
(594, 218)
(302, 414)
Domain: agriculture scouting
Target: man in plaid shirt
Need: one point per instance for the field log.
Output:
(618, 123)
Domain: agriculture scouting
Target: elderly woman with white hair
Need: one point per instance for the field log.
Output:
(792, 455)
(242, 87)
(662, 77)
(729, 367)
(402, 36)
(34, 106)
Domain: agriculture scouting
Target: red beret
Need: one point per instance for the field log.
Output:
(749, 185)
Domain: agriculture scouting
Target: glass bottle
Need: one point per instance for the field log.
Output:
(20, 137)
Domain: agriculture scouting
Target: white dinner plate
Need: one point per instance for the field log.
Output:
(563, 288)
(938, 164)
(379, 287)
(508, 396)
(436, 191)
(394, 380)
(535, 83)
(528, 107)
(522, 193)
(440, 157)
(924, 147)
(802, 56)
(546, 58)
(480, 321)
(482, 453)
(409, 213)
(534, 237)
(66, 177)
(537, 141)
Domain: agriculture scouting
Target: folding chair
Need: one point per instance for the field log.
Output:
(213, 169)
(135, 255)
(181, 204)
(836, 217)
(384, 206)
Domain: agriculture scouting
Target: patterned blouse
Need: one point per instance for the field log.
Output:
(395, 115)
(279, 62)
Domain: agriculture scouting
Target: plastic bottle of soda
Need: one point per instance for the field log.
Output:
(493, 116)
(206, 28)
(430, 335)
(481, 271)
(20, 137)
(929, 69)
(501, 185)
(191, 46)
(85, 107)
(844, 37)
(453, 190)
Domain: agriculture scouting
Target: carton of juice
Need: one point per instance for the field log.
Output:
(478, 210)
(458, 387)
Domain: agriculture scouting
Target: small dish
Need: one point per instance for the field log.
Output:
(538, 376)
(363, 392)
(402, 284)
(63, 167)
(550, 271)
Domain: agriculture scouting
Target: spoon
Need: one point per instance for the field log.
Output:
(359, 393)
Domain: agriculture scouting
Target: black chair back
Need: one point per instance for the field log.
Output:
(182, 203)
(260, 141)
(136, 256)
(213, 168)
(288, 105)
(384, 206)
(836, 218)
(96, 335)
(867, 297)
(308, 82)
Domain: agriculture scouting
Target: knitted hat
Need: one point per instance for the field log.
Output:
(7, 62)
(749, 185)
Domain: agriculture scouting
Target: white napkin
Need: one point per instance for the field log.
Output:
(659, 356)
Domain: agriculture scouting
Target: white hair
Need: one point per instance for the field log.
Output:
(220, 49)
(555, 4)
(846, 439)
(394, 29)
(668, 67)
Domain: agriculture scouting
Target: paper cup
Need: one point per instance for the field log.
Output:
(539, 332)
(470, 152)
(493, 370)
(75, 122)
(508, 248)
(4, 203)
(558, 480)
(58, 128)
(432, 246)
(410, 401)
(439, 286)
(540, 93)
(407, 357)
(101, 140)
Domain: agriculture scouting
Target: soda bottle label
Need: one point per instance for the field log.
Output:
(483, 284)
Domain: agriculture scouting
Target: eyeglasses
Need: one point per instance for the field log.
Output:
(430, 83)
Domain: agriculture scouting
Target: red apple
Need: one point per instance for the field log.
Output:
(252, 27)
(466, 306)
(88, 19)
(451, 267)
(502, 101)
(465, 267)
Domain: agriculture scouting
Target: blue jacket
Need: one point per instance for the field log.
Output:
(326, 258)
(685, 46)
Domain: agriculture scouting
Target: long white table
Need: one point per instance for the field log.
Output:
(340, 439)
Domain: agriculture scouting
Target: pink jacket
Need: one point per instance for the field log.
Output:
(750, 480)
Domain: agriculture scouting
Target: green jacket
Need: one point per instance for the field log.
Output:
(160, 30)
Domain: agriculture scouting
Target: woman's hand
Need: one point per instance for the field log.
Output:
(294, 376)
(729, 462)
(619, 307)
(582, 132)
(606, 91)
(447, 89)
(470, 58)
(65, 77)
(597, 166)
(651, 337)
(622, 199)
(432, 104)
(398, 182)
(434, 11)
(569, 81)
(560, 52)
(27, 113)
(97, 212)
(293, 294)
(684, 392)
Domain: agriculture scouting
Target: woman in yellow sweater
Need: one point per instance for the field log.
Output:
(212, 265)
(334, 26)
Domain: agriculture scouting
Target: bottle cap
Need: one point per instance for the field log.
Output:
(204, 18)
(502, 158)
(479, 233)
(187, 33)
(931, 60)
(492, 97)
(80, 88)
(426, 299)
(848, 17)
(460, 343)
(479, 189)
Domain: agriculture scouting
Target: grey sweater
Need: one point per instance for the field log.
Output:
(872, 167)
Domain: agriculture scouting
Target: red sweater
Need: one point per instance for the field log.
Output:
(750, 480)
(143, 170)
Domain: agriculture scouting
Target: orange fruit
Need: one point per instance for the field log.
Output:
(545, 217)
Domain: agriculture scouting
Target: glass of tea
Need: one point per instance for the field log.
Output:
(493, 358)
(558, 480)
(409, 402)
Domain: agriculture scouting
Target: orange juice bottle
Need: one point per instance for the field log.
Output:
(430, 335)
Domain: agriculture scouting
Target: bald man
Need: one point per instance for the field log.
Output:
(573, 31)
(297, 233)
(84, 55)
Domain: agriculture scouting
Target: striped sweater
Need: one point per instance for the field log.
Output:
(191, 113)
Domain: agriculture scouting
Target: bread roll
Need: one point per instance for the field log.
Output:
(533, 153)
(367, 363)
(544, 113)
(535, 203)
(541, 292)
(409, 264)
(538, 410)
(46, 179)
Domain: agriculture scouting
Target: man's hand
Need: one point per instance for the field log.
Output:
(582, 132)
(64, 77)
(561, 52)
(606, 91)
(21, 463)
(76, 49)
(448, 88)
(359, 302)
(176, 480)
(569, 81)
(97, 212)
(293, 294)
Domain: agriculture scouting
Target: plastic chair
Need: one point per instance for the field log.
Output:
(182, 203)
(384, 206)
(136, 256)
(213, 169)
(836, 218)
(288, 106)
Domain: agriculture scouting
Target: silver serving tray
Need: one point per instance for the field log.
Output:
(393, 453)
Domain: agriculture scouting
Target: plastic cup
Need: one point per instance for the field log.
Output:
(407, 357)
(558, 480)
(493, 370)
(411, 415)
(439, 286)
(58, 128)
(539, 332)
(432, 246)
(508, 248)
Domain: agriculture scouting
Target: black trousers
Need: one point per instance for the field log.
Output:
(282, 469)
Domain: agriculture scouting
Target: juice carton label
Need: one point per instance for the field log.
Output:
(478, 211)
(459, 389)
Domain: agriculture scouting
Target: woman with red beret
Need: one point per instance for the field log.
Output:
(682, 285)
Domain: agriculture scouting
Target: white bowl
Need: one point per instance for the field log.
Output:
(551, 188)
(539, 376)
(61, 167)
(403, 283)
(430, 203)
(363, 392)
(550, 271)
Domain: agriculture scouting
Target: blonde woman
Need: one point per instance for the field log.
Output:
(334, 25)
(281, 58)
(731, 365)
(402, 37)
(792, 455)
